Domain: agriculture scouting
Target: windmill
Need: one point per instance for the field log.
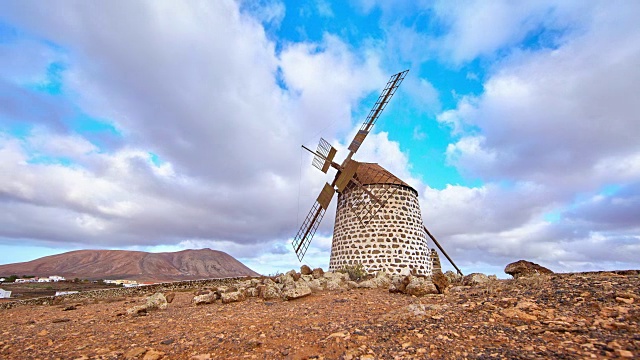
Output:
(378, 222)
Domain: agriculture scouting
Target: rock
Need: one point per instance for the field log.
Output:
(232, 297)
(475, 279)
(454, 278)
(624, 353)
(352, 284)
(170, 296)
(156, 301)
(268, 291)
(300, 290)
(305, 270)
(153, 355)
(137, 310)
(317, 273)
(71, 307)
(209, 298)
(251, 292)
(523, 268)
(420, 286)
(628, 301)
(440, 281)
(201, 357)
(202, 292)
(333, 285)
(368, 284)
(518, 314)
(167, 342)
(315, 285)
(399, 283)
(134, 353)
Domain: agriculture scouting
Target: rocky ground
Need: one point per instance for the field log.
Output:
(558, 316)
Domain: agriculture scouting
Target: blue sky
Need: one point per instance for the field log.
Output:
(162, 126)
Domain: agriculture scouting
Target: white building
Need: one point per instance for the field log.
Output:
(56, 278)
(25, 280)
(42, 280)
(5, 294)
(2, 280)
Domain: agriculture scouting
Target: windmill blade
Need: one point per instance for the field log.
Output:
(324, 155)
(381, 103)
(312, 221)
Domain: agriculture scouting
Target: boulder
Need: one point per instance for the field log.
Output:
(305, 270)
(209, 298)
(333, 284)
(475, 279)
(399, 283)
(170, 296)
(156, 301)
(230, 297)
(300, 290)
(315, 285)
(440, 281)
(420, 286)
(523, 268)
(268, 291)
(317, 273)
(454, 278)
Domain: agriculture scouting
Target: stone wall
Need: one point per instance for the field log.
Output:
(435, 261)
(394, 240)
(123, 292)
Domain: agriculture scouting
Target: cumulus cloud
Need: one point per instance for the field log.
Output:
(551, 126)
(215, 113)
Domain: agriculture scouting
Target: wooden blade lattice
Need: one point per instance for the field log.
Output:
(307, 230)
(378, 107)
(324, 155)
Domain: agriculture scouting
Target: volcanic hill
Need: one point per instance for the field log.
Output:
(134, 265)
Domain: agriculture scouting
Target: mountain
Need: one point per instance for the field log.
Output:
(134, 265)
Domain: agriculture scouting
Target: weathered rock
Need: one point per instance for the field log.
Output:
(333, 284)
(523, 268)
(420, 286)
(205, 298)
(268, 291)
(475, 279)
(300, 290)
(251, 292)
(232, 297)
(315, 285)
(368, 284)
(440, 281)
(317, 273)
(153, 355)
(305, 270)
(156, 301)
(399, 283)
(170, 296)
(454, 278)
(134, 353)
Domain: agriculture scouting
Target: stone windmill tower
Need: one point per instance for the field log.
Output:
(378, 221)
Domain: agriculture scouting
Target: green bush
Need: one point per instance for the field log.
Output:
(356, 271)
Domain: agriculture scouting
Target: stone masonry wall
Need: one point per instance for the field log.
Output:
(123, 292)
(394, 240)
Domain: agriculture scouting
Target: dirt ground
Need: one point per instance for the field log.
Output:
(567, 316)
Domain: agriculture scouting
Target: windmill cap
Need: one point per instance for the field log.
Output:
(372, 173)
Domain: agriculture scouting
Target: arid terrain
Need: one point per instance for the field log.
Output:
(134, 265)
(559, 316)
